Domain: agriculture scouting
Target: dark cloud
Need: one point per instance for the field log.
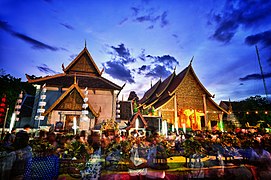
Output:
(239, 13)
(255, 77)
(135, 10)
(119, 71)
(35, 43)
(158, 72)
(143, 69)
(123, 54)
(151, 27)
(73, 56)
(49, 1)
(263, 38)
(175, 36)
(123, 21)
(166, 60)
(164, 20)
(117, 66)
(149, 16)
(142, 55)
(67, 26)
(45, 69)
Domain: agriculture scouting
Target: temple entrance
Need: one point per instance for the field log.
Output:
(69, 122)
(192, 118)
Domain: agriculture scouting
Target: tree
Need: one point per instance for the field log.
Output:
(253, 110)
(11, 87)
(133, 96)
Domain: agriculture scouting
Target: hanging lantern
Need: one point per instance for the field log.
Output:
(42, 104)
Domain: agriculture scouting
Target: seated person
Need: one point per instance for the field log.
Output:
(23, 154)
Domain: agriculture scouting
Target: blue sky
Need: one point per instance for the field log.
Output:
(140, 41)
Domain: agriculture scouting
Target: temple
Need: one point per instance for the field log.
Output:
(183, 102)
(80, 94)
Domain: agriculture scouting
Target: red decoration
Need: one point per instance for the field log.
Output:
(3, 108)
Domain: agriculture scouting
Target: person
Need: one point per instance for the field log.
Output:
(261, 159)
(27, 128)
(258, 153)
(23, 154)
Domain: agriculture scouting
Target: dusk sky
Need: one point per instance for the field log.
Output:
(141, 41)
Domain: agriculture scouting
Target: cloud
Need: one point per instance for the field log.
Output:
(135, 10)
(164, 20)
(45, 69)
(155, 67)
(234, 14)
(165, 60)
(35, 43)
(158, 72)
(263, 38)
(143, 69)
(142, 55)
(116, 67)
(67, 26)
(73, 56)
(123, 21)
(254, 77)
(119, 71)
(149, 16)
(122, 54)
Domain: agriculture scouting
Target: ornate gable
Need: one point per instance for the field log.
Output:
(142, 121)
(83, 64)
(73, 102)
(72, 99)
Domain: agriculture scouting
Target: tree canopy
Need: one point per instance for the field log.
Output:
(11, 87)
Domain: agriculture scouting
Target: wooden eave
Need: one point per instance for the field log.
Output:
(66, 93)
(159, 91)
(77, 59)
(43, 78)
(113, 84)
(149, 93)
(162, 102)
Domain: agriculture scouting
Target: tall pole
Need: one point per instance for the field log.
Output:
(264, 84)
(4, 126)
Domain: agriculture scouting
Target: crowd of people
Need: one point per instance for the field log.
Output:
(137, 149)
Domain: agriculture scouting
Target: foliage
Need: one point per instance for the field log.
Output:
(193, 146)
(77, 150)
(11, 87)
(42, 148)
(133, 96)
(256, 106)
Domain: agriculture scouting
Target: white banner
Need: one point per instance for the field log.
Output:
(85, 112)
(40, 110)
(42, 103)
(43, 96)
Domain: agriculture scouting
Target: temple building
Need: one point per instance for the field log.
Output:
(183, 102)
(78, 97)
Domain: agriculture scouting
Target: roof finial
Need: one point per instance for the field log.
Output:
(151, 83)
(85, 43)
(191, 61)
(174, 68)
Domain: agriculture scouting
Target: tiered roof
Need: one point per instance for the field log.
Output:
(85, 70)
(163, 92)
